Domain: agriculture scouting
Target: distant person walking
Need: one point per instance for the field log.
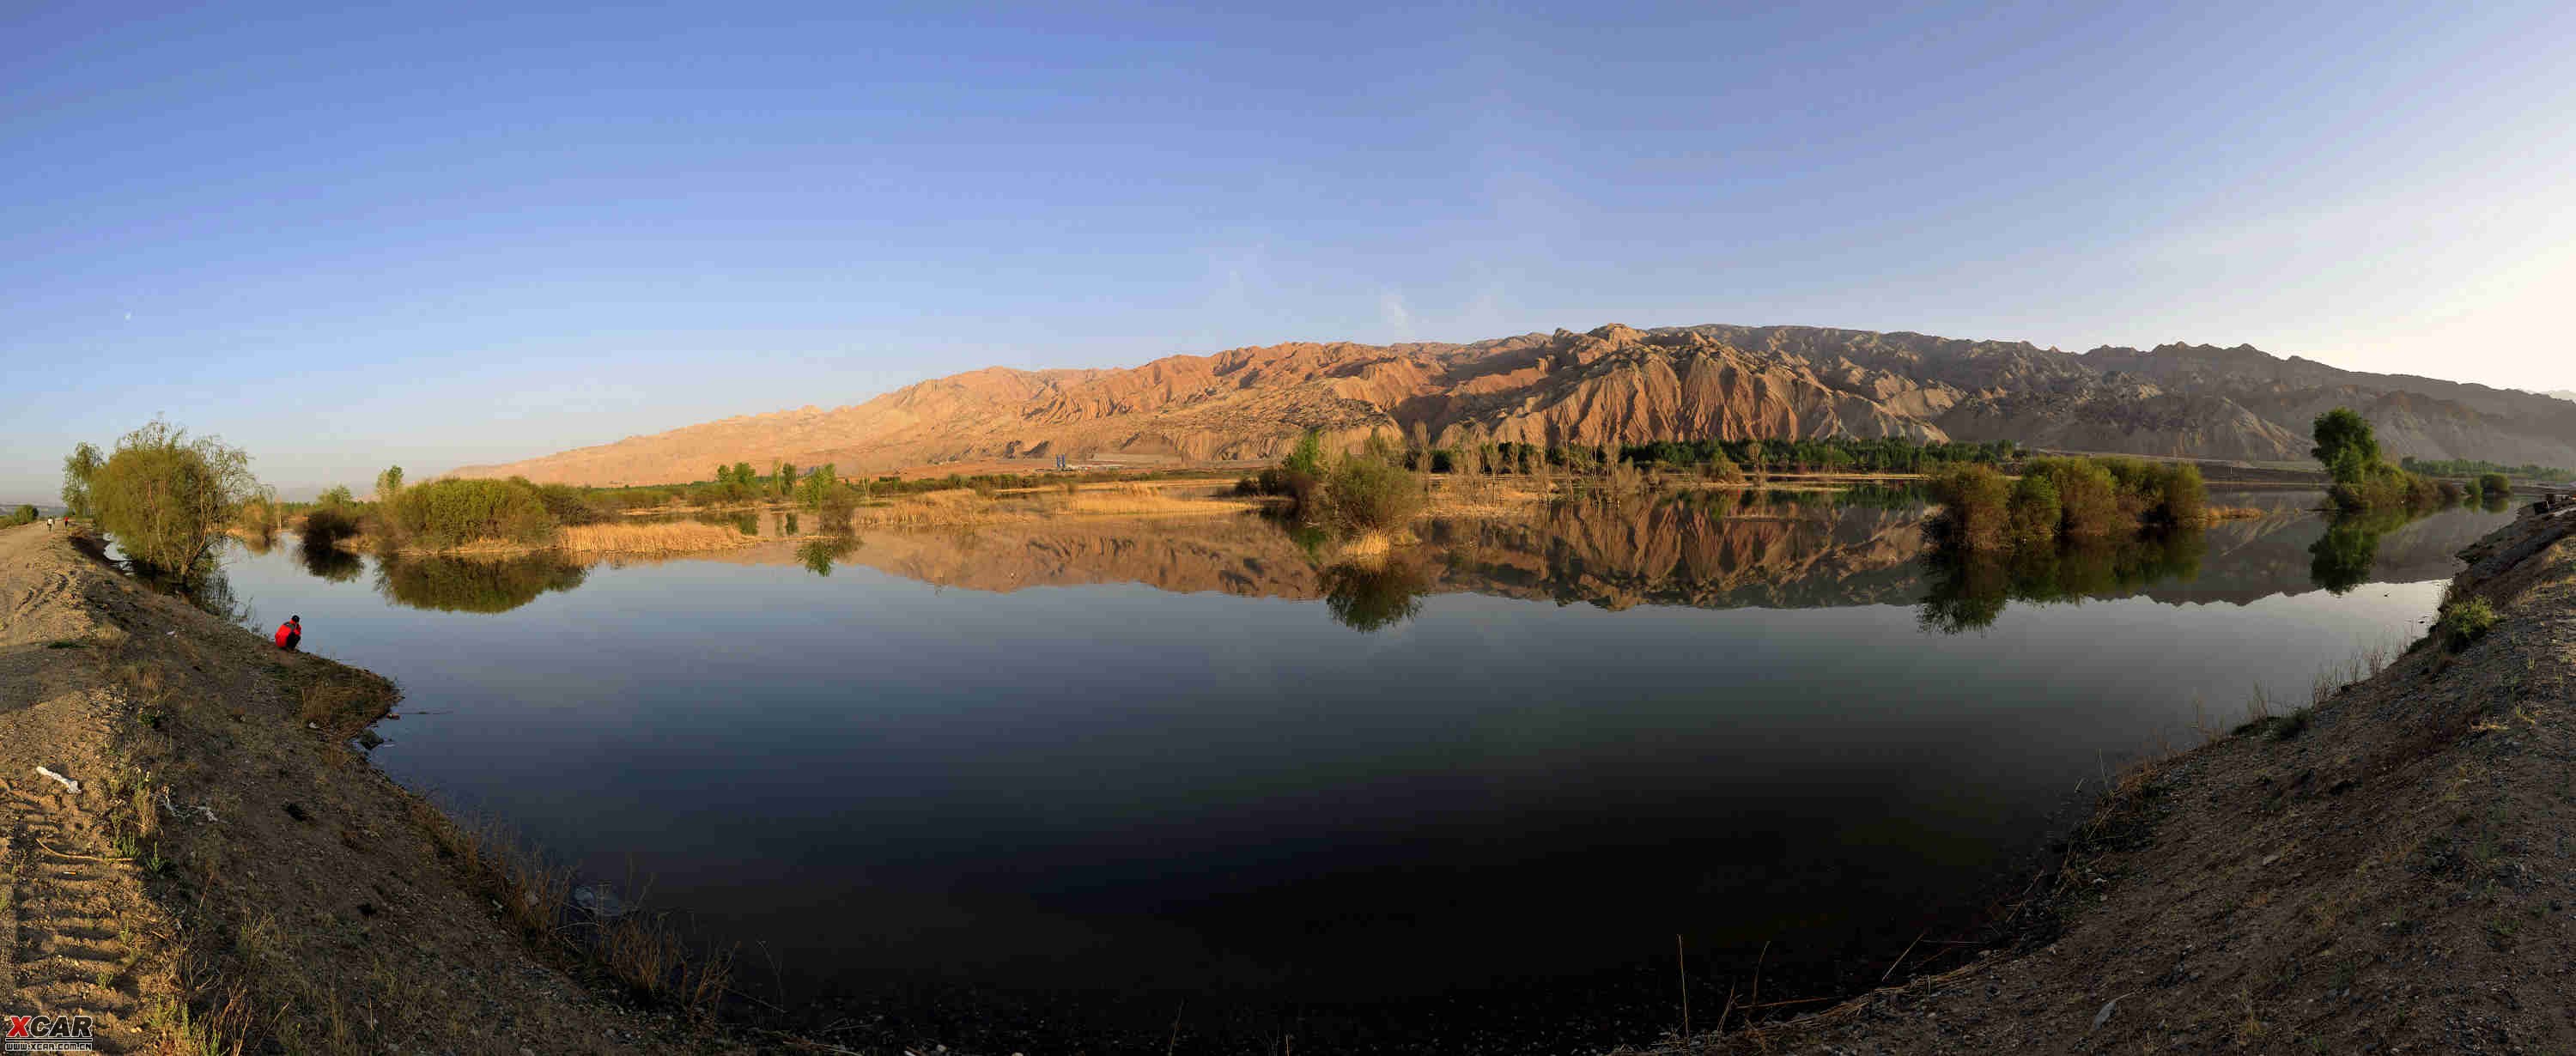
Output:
(290, 632)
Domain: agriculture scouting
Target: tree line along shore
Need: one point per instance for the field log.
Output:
(170, 497)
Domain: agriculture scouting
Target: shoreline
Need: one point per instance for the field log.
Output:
(221, 865)
(2286, 886)
(207, 711)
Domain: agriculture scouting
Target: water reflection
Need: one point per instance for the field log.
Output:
(323, 559)
(1968, 590)
(1706, 550)
(1155, 758)
(1374, 595)
(819, 555)
(465, 584)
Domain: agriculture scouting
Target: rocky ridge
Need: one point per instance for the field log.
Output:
(1611, 385)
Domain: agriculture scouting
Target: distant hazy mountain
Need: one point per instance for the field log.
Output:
(1613, 385)
(2564, 394)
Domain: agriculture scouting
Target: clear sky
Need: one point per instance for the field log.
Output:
(347, 236)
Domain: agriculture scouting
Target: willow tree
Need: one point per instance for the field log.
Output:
(167, 498)
(79, 469)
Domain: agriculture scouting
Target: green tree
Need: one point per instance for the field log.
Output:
(337, 495)
(25, 514)
(167, 498)
(389, 484)
(2345, 445)
(1308, 456)
(79, 469)
(786, 476)
(819, 483)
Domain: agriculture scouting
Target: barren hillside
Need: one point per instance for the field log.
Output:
(1611, 385)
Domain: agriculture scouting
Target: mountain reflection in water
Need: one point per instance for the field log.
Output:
(1682, 550)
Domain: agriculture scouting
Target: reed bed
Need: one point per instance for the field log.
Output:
(963, 507)
(1144, 500)
(2232, 513)
(672, 538)
(1488, 497)
(955, 507)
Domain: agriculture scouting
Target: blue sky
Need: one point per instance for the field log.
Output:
(346, 238)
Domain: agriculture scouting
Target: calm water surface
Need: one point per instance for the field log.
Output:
(1047, 787)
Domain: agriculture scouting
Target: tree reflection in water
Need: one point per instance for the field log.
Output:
(465, 584)
(2341, 559)
(819, 555)
(323, 559)
(1371, 596)
(1969, 589)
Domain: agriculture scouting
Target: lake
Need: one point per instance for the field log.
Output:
(1058, 785)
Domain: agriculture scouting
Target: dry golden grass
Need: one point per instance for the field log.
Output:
(953, 507)
(1486, 497)
(2232, 513)
(1369, 549)
(1144, 500)
(646, 953)
(671, 538)
(961, 507)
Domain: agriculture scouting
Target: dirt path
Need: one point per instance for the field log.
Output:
(230, 870)
(2392, 869)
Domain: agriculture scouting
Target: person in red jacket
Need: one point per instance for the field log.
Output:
(290, 632)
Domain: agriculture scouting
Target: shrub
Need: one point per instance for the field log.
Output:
(2165, 493)
(447, 513)
(835, 507)
(2494, 484)
(568, 504)
(2034, 512)
(2467, 621)
(1974, 506)
(2088, 499)
(25, 514)
(2385, 487)
(1282, 481)
(1365, 494)
(167, 498)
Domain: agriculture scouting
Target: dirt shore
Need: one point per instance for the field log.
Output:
(2389, 870)
(230, 874)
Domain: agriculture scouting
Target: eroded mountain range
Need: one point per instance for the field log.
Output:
(1611, 385)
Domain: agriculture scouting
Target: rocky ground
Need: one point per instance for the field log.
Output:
(2390, 871)
(229, 871)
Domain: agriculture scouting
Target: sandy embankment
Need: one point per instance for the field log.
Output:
(2386, 870)
(229, 864)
